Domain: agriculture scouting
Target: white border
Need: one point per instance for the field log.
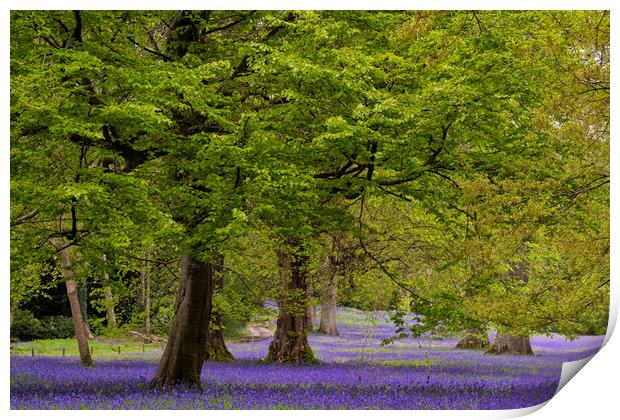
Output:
(593, 395)
(317, 4)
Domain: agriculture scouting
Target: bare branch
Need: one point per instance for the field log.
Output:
(25, 217)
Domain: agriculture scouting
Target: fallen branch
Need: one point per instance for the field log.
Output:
(148, 338)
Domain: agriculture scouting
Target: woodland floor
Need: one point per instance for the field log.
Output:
(354, 372)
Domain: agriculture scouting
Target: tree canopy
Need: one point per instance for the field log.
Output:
(461, 157)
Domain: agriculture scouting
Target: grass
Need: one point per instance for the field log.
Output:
(236, 333)
(54, 347)
(107, 347)
(432, 361)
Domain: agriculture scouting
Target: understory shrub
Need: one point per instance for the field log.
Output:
(57, 327)
(27, 327)
(161, 320)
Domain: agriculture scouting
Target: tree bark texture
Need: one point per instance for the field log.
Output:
(505, 343)
(109, 299)
(284, 272)
(216, 350)
(81, 331)
(181, 363)
(328, 303)
(290, 342)
(473, 340)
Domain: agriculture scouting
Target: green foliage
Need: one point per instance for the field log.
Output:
(25, 326)
(57, 327)
(104, 349)
(162, 318)
(448, 147)
(594, 321)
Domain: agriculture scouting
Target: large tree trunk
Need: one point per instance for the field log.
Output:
(109, 299)
(328, 303)
(290, 343)
(216, 350)
(473, 339)
(284, 272)
(505, 343)
(81, 331)
(183, 357)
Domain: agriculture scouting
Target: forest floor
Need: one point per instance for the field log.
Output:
(257, 332)
(354, 371)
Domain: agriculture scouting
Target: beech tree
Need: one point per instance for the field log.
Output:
(443, 148)
(216, 349)
(508, 206)
(62, 195)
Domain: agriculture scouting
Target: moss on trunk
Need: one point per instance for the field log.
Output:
(183, 357)
(473, 340)
(505, 343)
(290, 342)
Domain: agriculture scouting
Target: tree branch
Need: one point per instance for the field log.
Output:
(25, 217)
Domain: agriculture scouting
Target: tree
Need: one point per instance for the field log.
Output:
(290, 343)
(109, 299)
(329, 298)
(79, 325)
(491, 188)
(575, 117)
(216, 349)
(338, 263)
(196, 192)
(444, 148)
(61, 194)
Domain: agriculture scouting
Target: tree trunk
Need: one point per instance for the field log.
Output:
(311, 317)
(290, 343)
(145, 287)
(284, 272)
(216, 350)
(109, 299)
(328, 303)
(89, 333)
(81, 331)
(147, 307)
(11, 314)
(310, 311)
(505, 343)
(83, 299)
(473, 339)
(183, 357)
